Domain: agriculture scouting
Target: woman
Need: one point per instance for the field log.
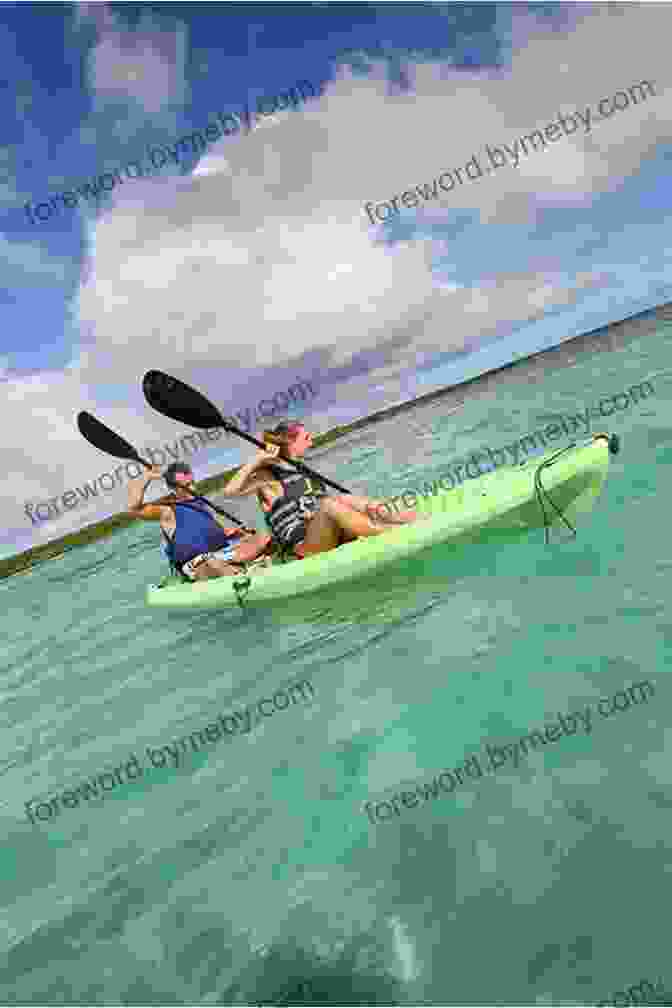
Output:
(301, 517)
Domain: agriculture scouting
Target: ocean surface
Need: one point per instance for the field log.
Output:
(241, 865)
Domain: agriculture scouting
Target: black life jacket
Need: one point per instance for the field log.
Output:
(300, 498)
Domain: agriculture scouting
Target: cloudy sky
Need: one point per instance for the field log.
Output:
(249, 263)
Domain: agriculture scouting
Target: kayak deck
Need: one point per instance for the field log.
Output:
(544, 491)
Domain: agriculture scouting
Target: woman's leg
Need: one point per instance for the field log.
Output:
(337, 522)
(322, 534)
(334, 524)
(378, 511)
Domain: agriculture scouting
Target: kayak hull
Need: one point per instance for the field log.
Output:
(503, 503)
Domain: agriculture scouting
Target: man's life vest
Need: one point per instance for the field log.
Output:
(196, 532)
(300, 498)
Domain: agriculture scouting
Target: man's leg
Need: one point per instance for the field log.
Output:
(251, 547)
(213, 567)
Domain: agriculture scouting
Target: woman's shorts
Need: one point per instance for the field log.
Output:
(189, 568)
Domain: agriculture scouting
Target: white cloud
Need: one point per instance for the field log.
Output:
(244, 262)
(263, 258)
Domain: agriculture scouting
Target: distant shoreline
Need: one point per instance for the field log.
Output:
(608, 338)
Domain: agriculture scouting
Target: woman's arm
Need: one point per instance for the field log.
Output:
(252, 476)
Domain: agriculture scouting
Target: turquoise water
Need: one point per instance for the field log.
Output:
(240, 865)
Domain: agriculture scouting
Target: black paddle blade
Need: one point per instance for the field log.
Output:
(180, 402)
(100, 436)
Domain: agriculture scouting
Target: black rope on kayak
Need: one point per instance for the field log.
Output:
(540, 491)
(241, 586)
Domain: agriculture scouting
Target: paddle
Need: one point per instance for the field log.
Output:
(101, 437)
(173, 399)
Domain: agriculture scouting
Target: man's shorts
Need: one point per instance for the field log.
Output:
(189, 568)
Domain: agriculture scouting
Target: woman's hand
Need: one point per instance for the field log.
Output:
(153, 473)
(268, 455)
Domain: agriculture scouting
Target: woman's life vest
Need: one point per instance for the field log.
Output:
(286, 518)
(196, 532)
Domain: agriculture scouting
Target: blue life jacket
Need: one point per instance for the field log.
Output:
(196, 532)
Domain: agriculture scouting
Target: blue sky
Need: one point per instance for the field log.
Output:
(254, 263)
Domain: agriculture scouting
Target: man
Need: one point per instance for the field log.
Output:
(196, 544)
(303, 520)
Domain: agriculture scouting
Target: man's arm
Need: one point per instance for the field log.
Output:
(136, 496)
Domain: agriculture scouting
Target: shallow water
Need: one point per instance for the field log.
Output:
(247, 868)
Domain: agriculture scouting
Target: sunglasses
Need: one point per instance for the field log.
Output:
(291, 429)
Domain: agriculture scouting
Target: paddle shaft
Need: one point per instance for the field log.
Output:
(178, 401)
(221, 511)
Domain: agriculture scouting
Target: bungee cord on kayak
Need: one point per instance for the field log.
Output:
(540, 491)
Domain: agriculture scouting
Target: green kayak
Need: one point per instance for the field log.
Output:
(544, 491)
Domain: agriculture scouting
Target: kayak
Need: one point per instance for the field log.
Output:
(544, 491)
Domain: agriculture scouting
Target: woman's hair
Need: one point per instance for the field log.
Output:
(282, 434)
